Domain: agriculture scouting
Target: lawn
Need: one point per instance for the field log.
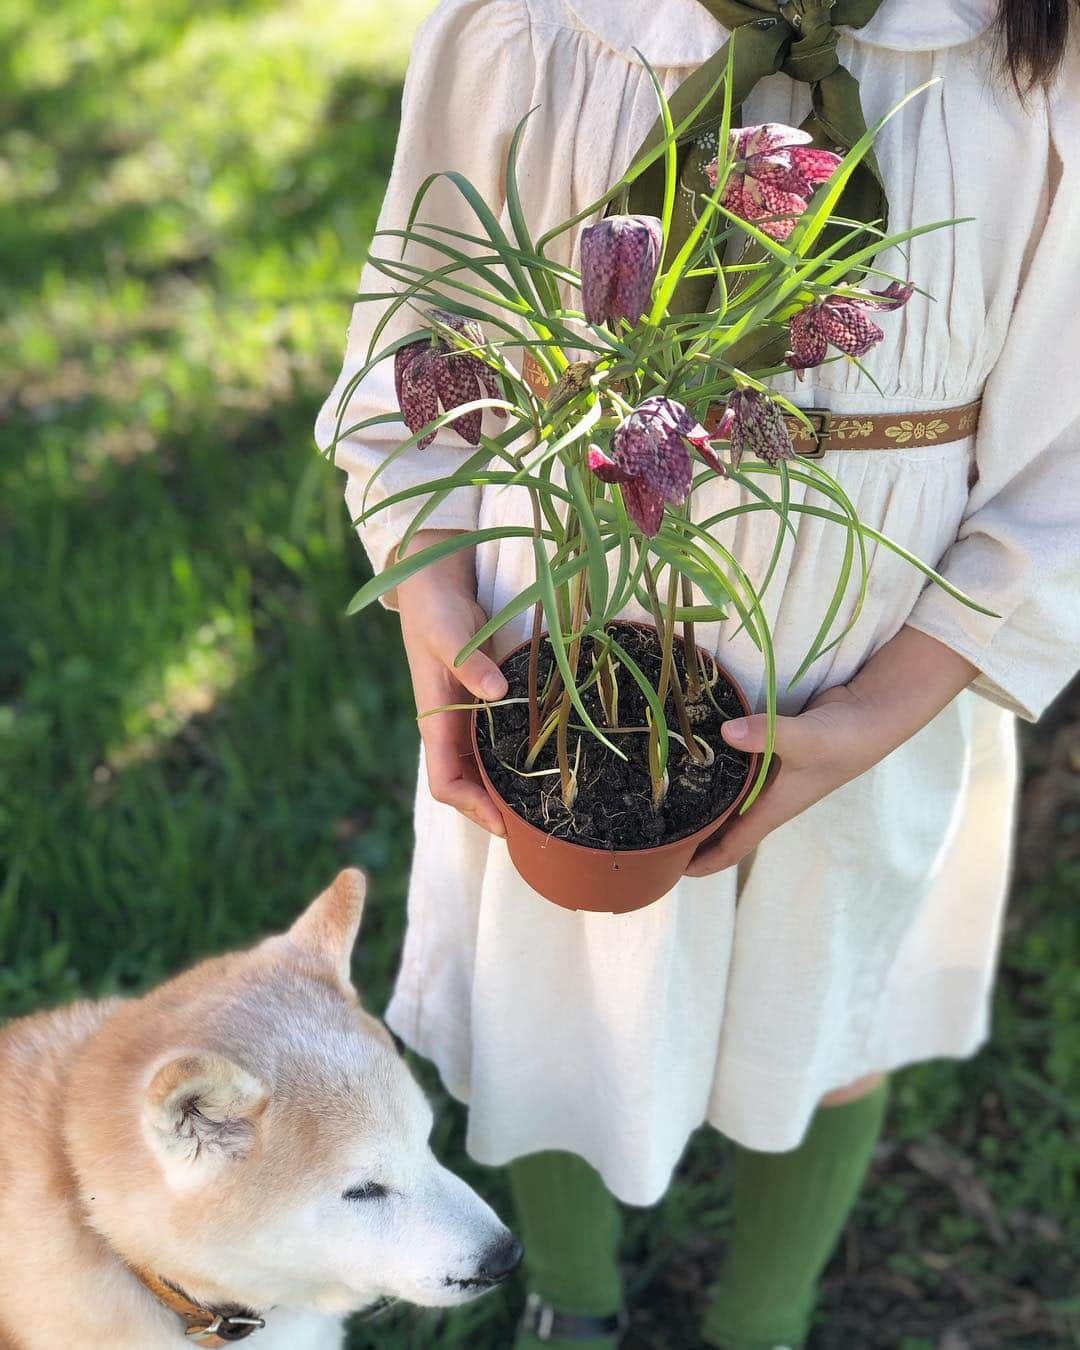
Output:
(192, 736)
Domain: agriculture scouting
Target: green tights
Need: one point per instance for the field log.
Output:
(790, 1209)
(570, 1226)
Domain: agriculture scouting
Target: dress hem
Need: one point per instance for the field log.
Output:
(728, 1120)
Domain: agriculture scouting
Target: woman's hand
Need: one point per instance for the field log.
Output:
(439, 614)
(841, 733)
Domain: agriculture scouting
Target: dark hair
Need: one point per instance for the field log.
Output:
(1033, 34)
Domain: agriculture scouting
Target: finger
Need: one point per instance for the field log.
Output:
(481, 677)
(474, 804)
(793, 736)
(453, 781)
(478, 672)
(452, 774)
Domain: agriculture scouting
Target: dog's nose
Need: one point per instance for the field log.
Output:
(501, 1259)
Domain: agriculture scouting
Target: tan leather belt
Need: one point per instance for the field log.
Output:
(841, 431)
(872, 431)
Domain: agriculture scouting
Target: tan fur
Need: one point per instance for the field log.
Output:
(201, 1130)
(331, 924)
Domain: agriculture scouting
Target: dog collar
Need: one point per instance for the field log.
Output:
(203, 1325)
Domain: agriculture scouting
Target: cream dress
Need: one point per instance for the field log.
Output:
(867, 929)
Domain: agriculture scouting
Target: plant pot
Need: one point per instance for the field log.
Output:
(604, 880)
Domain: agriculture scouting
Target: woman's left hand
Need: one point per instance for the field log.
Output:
(841, 733)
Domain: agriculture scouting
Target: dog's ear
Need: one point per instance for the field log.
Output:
(201, 1110)
(328, 927)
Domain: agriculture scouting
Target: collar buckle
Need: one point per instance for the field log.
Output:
(234, 1327)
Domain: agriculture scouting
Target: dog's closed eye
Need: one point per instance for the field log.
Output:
(369, 1190)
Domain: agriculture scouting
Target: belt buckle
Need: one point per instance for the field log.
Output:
(821, 422)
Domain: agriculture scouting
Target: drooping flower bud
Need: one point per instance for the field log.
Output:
(752, 421)
(428, 374)
(650, 461)
(620, 256)
(839, 320)
(414, 381)
(570, 383)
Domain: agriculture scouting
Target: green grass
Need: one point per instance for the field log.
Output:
(193, 738)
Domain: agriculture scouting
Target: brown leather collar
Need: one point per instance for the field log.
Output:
(204, 1326)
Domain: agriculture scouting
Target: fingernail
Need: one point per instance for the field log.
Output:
(493, 686)
(735, 730)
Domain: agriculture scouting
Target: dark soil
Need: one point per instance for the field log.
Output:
(613, 808)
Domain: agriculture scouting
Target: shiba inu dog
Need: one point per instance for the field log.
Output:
(241, 1152)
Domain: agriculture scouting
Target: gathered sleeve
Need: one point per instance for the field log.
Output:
(1018, 548)
(468, 84)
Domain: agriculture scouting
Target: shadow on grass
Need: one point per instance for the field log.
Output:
(57, 216)
(198, 742)
(193, 738)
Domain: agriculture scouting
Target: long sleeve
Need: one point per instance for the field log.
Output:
(1018, 549)
(468, 84)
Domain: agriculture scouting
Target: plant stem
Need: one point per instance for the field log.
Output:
(664, 618)
(562, 755)
(659, 618)
(534, 650)
(573, 652)
(534, 662)
(547, 728)
(606, 684)
(683, 720)
(690, 651)
(551, 698)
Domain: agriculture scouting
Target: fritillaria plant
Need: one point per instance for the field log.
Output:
(639, 407)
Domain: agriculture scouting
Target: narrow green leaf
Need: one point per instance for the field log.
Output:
(463, 478)
(550, 601)
(561, 573)
(594, 549)
(650, 695)
(407, 567)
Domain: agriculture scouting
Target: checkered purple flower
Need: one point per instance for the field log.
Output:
(774, 175)
(650, 461)
(619, 259)
(753, 421)
(430, 373)
(840, 321)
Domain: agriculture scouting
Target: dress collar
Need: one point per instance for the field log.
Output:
(915, 26)
(683, 32)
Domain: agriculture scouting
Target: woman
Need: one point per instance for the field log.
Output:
(871, 876)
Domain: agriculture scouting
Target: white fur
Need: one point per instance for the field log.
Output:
(208, 1133)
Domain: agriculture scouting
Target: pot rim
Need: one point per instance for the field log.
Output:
(694, 837)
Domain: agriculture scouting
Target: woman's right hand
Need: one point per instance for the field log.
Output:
(439, 614)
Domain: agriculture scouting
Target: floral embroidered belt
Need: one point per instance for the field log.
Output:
(840, 431)
(873, 431)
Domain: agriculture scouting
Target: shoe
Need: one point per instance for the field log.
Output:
(546, 1323)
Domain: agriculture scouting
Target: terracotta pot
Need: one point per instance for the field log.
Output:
(604, 881)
